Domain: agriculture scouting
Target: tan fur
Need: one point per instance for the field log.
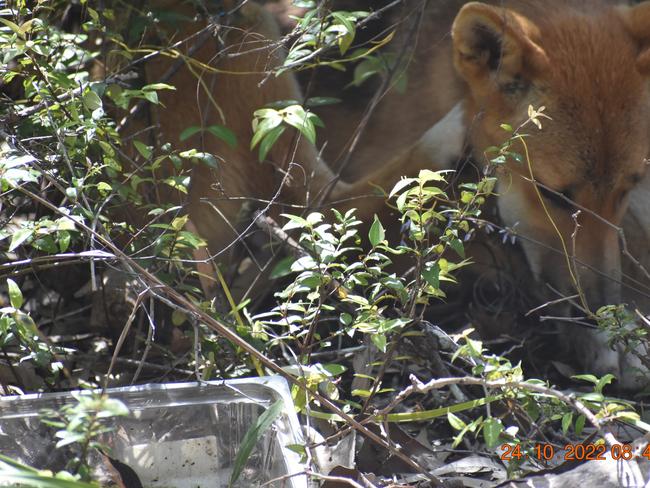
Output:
(585, 60)
(581, 65)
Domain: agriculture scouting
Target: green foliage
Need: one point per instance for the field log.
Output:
(65, 169)
(269, 124)
(320, 29)
(536, 400)
(359, 292)
(79, 424)
(83, 423)
(621, 327)
(17, 329)
(66, 140)
(21, 475)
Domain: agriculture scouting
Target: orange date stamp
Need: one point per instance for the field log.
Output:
(572, 452)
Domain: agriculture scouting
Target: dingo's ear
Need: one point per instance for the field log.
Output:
(493, 43)
(637, 22)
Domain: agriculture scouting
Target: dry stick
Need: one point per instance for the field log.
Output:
(644, 319)
(550, 303)
(149, 341)
(176, 300)
(125, 330)
(72, 256)
(150, 366)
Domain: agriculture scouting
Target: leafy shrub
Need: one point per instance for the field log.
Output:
(65, 179)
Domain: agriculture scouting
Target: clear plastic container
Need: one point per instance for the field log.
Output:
(177, 435)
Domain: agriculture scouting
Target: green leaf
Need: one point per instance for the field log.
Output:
(144, 150)
(223, 133)
(295, 222)
(20, 236)
(93, 14)
(190, 240)
(366, 69)
(567, 418)
(314, 218)
(45, 244)
(92, 101)
(189, 132)
(431, 275)
(334, 369)
(68, 438)
(180, 183)
(296, 116)
(475, 347)
(345, 319)
(586, 377)
(158, 86)
(347, 32)
(280, 104)
(254, 434)
(71, 193)
(404, 182)
(455, 421)
(207, 159)
(13, 27)
(64, 240)
(628, 416)
(428, 175)
(283, 268)
(423, 415)
(269, 140)
(492, 429)
(304, 3)
(379, 340)
(151, 96)
(266, 120)
(298, 449)
(104, 188)
(604, 381)
(179, 222)
(45, 480)
(391, 324)
(592, 397)
(15, 295)
(111, 407)
(457, 245)
(178, 318)
(377, 234)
